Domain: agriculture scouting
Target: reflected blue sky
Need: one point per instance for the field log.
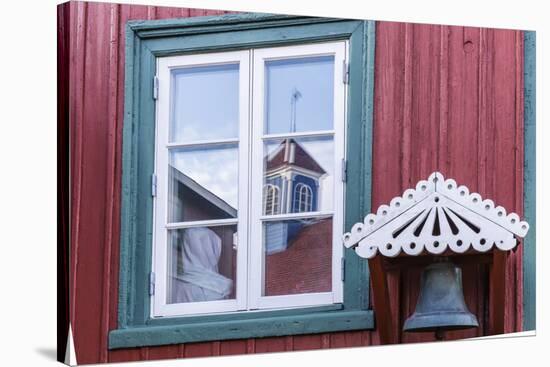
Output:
(309, 81)
(205, 103)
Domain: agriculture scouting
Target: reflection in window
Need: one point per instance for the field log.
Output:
(297, 256)
(202, 264)
(302, 198)
(271, 200)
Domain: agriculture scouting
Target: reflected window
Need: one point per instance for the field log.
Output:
(303, 198)
(271, 199)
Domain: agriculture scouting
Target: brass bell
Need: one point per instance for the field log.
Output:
(441, 305)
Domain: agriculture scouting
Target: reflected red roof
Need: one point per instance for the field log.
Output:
(290, 152)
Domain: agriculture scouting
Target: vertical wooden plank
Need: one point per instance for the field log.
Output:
(250, 346)
(124, 355)
(505, 192)
(112, 109)
(163, 352)
(443, 146)
(424, 112)
(198, 349)
(406, 128)
(463, 105)
(63, 185)
(497, 296)
(78, 25)
(347, 339)
(85, 227)
(388, 112)
(268, 345)
(306, 342)
(231, 347)
(381, 301)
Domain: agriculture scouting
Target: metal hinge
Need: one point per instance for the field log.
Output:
(344, 170)
(345, 72)
(343, 269)
(151, 283)
(155, 87)
(153, 185)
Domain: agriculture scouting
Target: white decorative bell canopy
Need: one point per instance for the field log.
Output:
(435, 217)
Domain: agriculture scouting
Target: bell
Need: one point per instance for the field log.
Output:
(440, 305)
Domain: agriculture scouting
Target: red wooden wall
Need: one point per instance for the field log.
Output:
(447, 98)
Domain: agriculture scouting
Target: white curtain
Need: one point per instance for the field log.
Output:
(200, 280)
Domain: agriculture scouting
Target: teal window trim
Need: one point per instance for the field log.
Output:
(147, 40)
(529, 181)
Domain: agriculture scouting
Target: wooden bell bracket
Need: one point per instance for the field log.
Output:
(437, 218)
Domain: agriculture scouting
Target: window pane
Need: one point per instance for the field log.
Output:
(299, 94)
(205, 103)
(203, 183)
(298, 256)
(202, 264)
(298, 175)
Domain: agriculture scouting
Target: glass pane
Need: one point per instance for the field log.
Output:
(202, 264)
(205, 104)
(203, 183)
(298, 175)
(298, 256)
(299, 95)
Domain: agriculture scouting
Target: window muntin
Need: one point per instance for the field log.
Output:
(235, 290)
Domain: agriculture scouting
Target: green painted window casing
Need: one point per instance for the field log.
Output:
(529, 182)
(146, 40)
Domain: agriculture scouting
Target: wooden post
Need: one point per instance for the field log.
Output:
(497, 292)
(381, 301)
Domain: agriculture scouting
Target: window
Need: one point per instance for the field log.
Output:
(271, 199)
(303, 198)
(214, 186)
(233, 196)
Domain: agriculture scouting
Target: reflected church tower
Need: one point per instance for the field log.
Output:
(292, 185)
(292, 179)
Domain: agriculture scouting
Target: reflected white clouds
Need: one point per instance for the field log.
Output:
(213, 168)
(205, 103)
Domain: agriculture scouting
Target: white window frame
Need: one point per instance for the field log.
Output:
(250, 251)
(337, 49)
(165, 65)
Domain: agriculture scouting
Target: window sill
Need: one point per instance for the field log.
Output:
(316, 322)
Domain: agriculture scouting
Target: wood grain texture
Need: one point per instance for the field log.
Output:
(63, 185)
(445, 97)
(450, 98)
